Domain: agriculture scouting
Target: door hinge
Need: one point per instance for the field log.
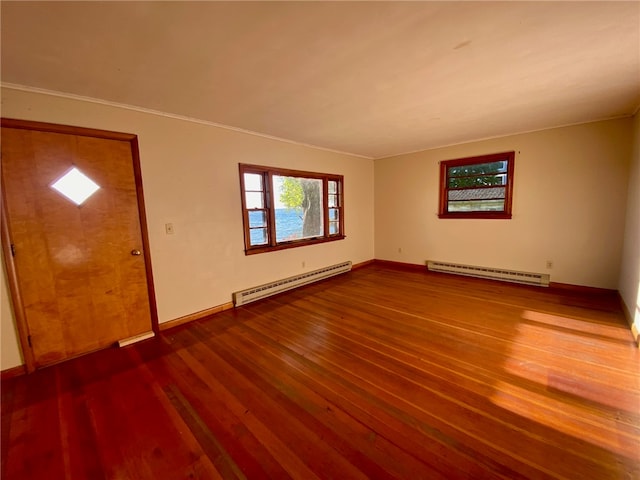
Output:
(13, 250)
(29, 341)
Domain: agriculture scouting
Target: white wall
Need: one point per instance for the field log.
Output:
(629, 285)
(190, 178)
(570, 195)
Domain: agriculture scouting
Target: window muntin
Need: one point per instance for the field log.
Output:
(289, 208)
(477, 187)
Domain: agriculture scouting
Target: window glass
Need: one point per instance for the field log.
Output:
(257, 219)
(299, 210)
(254, 200)
(253, 182)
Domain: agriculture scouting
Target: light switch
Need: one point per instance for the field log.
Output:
(168, 227)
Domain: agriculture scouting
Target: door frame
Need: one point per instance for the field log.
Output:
(12, 278)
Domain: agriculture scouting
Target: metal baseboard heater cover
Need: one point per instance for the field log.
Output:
(538, 279)
(256, 293)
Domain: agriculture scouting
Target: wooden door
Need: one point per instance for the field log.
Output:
(81, 271)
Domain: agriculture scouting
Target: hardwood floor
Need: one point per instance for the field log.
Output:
(379, 373)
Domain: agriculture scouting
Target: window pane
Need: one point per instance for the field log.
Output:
(333, 186)
(477, 193)
(334, 214)
(477, 206)
(254, 200)
(299, 210)
(76, 186)
(477, 169)
(288, 224)
(253, 181)
(258, 236)
(257, 218)
(333, 228)
(478, 181)
(333, 201)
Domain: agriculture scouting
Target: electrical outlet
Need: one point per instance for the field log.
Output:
(168, 228)
(399, 249)
(549, 264)
(304, 264)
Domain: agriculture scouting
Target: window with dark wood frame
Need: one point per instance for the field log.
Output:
(284, 208)
(477, 187)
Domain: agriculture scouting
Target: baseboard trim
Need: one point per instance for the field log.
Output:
(401, 265)
(356, 266)
(568, 287)
(195, 316)
(13, 372)
(629, 318)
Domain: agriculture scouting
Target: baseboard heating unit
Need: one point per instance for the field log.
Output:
(538, 279)
(256, 293)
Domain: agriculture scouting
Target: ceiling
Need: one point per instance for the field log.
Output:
(368, 78)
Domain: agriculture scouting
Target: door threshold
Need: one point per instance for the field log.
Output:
(136, 338)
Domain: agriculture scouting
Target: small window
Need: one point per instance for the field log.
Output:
(477, 187)
(289, 208)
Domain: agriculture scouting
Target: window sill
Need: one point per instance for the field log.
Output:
(478, 215)
(292, 244)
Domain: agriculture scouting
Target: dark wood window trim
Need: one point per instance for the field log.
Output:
(444, 212)
(268, 202)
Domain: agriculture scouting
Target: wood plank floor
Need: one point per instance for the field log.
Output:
(379, 373)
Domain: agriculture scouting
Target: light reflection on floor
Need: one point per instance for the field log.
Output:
(550, 339)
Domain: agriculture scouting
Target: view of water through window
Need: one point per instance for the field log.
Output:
(288, 225)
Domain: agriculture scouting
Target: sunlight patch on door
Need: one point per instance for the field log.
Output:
(76, 186)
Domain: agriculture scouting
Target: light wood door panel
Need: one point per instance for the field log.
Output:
(81, 287)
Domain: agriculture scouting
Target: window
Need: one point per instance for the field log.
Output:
(477, 187)
(288, 208)
(76, 186)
